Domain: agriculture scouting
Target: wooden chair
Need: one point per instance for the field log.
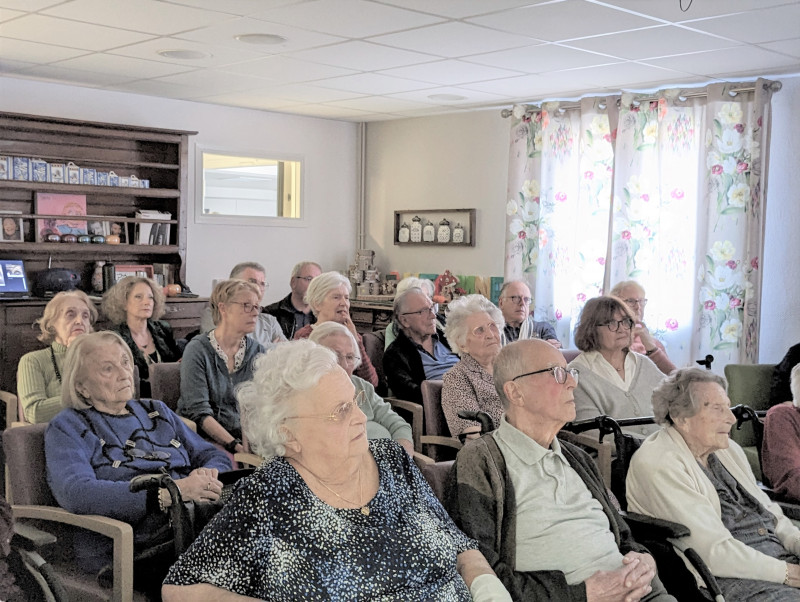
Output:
(436, 432)
(374, 343)
(413, 411)
(24, 448)
(435, 473)
(12, 409)
(165, 383)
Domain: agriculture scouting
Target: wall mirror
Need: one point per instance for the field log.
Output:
(249, 188)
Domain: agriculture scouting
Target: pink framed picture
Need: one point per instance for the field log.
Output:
(71, 206)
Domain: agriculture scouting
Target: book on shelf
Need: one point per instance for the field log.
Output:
(152, 233)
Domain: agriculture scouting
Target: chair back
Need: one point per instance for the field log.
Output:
(749, 384)
(435, 421)
(570, 354)
(436, 474)
(374, 343)
(165, 383)
(25, 458)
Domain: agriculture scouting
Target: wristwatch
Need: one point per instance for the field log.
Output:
(230, 446)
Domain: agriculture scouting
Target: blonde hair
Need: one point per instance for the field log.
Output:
(53, 310)
(115, 301)
(227, 290)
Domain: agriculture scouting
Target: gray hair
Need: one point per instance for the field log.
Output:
(227, 290)
(795, 385)
(281, 378)
(53, 310)
(115, 301)
(246, 265)
(619, 286)
(399, 305)
(323, 284)
(674, 397)
(509, 283)
(509, 363)
(76, 368)
(327, 330)
(298, 267)
(412, 282)
(462, 308)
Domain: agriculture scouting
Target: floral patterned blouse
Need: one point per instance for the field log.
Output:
(275, 540)
(467, 386)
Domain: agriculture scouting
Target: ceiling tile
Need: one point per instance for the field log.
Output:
(225, 34)
(458, 9)
(362, 55)
(767, 25)
(671, 11)
(7, 15)
(211, 81)
(248, 100)
(130, 67)
(349, 18)
(372, 83)
(790, 47)
(76, 76)
(35, 52)
(330, 112)
(377, 104)
(11, 66)
(449, 72)
(471, 96)
(155, 87)
(306, 93)
(286, 70)
(28, 5)
(232, 7)
(451, 40)
(149, 16)
(720, 63)
(627, 74)
(220, 55)
(49, 30)
(664, 40)
(564, 20)
(514, 87)
(541, 58)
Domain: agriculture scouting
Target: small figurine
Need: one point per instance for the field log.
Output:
(445, 285)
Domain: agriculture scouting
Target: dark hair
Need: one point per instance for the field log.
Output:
(597, 312)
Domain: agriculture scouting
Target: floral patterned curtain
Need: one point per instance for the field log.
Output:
(686, 221)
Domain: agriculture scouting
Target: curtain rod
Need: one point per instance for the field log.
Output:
(773, 86)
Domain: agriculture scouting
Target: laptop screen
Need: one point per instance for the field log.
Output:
(12, 278)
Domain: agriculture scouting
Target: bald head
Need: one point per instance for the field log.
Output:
(521, 357)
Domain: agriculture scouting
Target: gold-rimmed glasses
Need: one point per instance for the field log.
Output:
(340, 413)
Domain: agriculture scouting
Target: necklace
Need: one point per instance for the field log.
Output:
(364, 508)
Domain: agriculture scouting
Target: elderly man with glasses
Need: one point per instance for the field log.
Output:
(420, 351)
(293, 311)
(632, 294)
(528, 498)
(515, 303)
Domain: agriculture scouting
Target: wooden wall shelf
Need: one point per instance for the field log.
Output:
(466, 218)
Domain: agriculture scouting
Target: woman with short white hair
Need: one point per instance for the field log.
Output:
(328, 295)
(473, 329)
(329, 515)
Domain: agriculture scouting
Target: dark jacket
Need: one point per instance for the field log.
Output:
(480, 499)
(165, 344)
(403, 368)
(284, 312)
(781, 378)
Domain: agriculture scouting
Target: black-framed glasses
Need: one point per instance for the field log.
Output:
(520, 300)
(246, 307)
(433, 309)
(559, 373)
(306, 278)
(141, 454)
(635, 302)
(342, 412)
(615, 325)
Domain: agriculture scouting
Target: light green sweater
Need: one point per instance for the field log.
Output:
(38, 388)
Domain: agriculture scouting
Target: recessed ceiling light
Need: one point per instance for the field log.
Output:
(186, 55)
(447, 97)
(264, 39)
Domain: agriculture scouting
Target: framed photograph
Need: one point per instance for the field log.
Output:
(142, 271)
(71, 206)
(12, 230)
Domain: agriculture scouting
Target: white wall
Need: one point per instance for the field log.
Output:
(462, 161)
(329, 150)
(446, 162)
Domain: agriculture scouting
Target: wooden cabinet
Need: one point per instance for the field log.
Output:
(18, 335)
(369, 316)
(157, 155)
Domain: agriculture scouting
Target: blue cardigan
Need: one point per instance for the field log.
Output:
(206, 387)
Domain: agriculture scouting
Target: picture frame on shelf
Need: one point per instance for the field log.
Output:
(120, 229)
(12, 228)
(142, 271)
(71, 206)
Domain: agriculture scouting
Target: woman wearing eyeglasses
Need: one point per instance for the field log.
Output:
(105, 438)
(473, 328)
(329, 515)
(633, 295)
(215, 363)
(615, 381)
(382, 421)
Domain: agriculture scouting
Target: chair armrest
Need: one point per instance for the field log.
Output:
(248, 459)
(422, 460)
(606, 450)
(12, 406)
(29, 537)
(121, 533)
(648, 527)
(415, 410)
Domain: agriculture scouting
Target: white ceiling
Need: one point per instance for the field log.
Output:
(367, 60)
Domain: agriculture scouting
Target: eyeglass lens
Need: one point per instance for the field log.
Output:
(480, 331)
(523, 300)
(615, 325)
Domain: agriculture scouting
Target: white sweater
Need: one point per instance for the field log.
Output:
(665, 481)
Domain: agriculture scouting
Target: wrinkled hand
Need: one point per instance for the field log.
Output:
(555, 343)
(794, 575)
(640, 330)
(350, 326)
(629, 583)
(201, 485)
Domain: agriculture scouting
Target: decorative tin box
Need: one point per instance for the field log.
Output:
(102, 178)
(113, 179)
(88, 176)
(5, 168)
(22, 168)
(55, 173)
(38, 170)
(73, 173)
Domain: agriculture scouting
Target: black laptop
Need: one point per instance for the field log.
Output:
(13, 282)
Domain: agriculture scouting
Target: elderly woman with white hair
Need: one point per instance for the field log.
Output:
(473, 328)
(382, 421)
(691, 472)
(780, 451)
(328, 295)
(329, 515)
